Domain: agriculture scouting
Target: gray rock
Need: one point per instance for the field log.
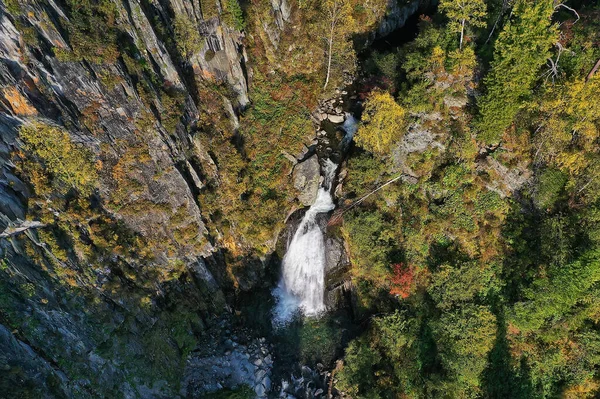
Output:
(222, 58)
(455, 102)
(260, 374)
(396, 16)
(306, 180)
(333, 118)
(335, 255)
(260, 390)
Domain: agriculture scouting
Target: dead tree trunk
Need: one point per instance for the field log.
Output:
(593, 71)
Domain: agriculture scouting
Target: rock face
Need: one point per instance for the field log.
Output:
(86, 320)
(16, 355)
(416, 140)
(307, 176)
(397, 15)
(223, 58)
(337, 268)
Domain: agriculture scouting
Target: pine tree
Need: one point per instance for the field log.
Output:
(522, 48)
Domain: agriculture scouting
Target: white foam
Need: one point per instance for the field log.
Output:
(302, 286)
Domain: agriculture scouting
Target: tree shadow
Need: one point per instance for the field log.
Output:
(502, 378)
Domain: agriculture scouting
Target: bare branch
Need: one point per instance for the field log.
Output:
(568, 8)
(586, 185)
(554, 64)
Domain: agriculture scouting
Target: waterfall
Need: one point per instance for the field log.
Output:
(302, 286)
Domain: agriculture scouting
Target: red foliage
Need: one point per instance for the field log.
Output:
(402, 280)
(374, 83)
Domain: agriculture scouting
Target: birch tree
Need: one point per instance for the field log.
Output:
(463, 12)
(339, 24)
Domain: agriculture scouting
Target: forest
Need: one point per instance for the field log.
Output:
(492, 252)
(149, 160)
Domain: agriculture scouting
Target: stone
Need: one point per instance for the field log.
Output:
(260, 390)
(289, 157)
(455, 102)
(267, 383)
(306, 177)
(335, 118)
(260, 374)
(303, 152)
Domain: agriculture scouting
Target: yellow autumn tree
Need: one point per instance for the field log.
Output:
(383, 123)
(571, 125)
(59, 162)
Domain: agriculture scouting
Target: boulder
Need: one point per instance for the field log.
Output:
(306, 180)
(333, 118)
(336, 257)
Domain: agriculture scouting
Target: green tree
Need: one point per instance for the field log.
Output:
(358, 374)
(371, 238)
(457, 285)
(549, 187)
(463, 12)
(232, 14)
(187, 36)
(521, 49)
(396, 336)
(464, 338)
(382, 125)
(551, 298)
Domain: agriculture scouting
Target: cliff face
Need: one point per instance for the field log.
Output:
(105, 285)
(85, 314)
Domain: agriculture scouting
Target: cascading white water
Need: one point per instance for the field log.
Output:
(302, 286)
(350, 126)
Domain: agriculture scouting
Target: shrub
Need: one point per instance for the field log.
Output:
(232, 14)
(187, 36)
(241, 392)
(64, 165)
